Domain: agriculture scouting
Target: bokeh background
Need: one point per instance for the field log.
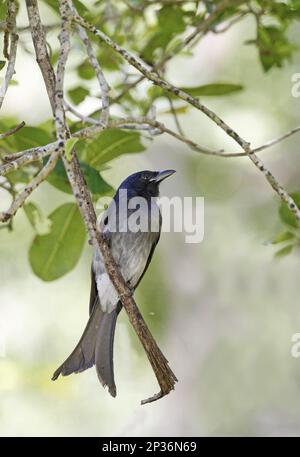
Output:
(223, 311)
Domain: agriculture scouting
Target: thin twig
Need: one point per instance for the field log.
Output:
(80, 116)
(41, 176)
(233, 21)
(104, 87)
(12, 130)
(205, 25)
(276, 140)
(173, 111)
(12, 13)
(26, 157)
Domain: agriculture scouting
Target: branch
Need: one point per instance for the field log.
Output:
(39, 41)
(164, 375)
(79, 115)
(12, 13)
(173, 111)
(30, 155)
(41, 176)
(277, 140)
(104, 87)
(19, 159)
(152, 76)
(12, 130)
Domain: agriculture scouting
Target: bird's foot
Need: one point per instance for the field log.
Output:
(106, 234)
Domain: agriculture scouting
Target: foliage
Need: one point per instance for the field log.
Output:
(290, 238)
(57, 252)
(155, 31)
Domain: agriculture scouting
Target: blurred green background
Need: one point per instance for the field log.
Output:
(223, 311)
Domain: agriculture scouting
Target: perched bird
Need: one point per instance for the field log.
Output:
(131, 225)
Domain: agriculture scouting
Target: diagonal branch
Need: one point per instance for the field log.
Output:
(12, 130)
(164, 374)
(152, 76)
(39, 41)
(104, 87)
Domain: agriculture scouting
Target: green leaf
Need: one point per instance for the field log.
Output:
(286, 214)
(2, 64)
(206, 90)
(85, 70)
(53, 4)
(284, 251)
(20, 176)
(70, 143)
(58, 178)
(32, 212)
(78, 94)
(108, 60)
(182, 109)
(110, 144)
(282, 237)
(81, 8)
(274, 46)
(214, 89)
(56, 253)
(36, 219)
(170, 22)
(96, 184)
(3, 10)
(27, 137)
(12, 82)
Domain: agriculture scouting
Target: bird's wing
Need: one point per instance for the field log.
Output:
(94, 293)
(151, 251)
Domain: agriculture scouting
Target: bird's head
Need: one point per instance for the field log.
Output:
(145, 183)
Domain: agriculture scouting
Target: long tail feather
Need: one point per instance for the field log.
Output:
(104, 350)
(95, 347)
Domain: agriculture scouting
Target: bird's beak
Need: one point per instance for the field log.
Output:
(161, 175)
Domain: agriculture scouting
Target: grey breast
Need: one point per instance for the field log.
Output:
(130, 250)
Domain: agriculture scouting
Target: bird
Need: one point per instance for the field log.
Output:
(131, 226)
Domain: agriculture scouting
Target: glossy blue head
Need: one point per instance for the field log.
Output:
(145, 183)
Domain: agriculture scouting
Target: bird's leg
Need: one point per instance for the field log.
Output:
(130, 287)
(106, 234)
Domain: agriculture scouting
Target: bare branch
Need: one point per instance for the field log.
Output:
(80, 116)
(104, 87)
(12, 13)
(173, 111)
(39, 41)
(12, 130)
(41, 176)
(234, 21)
(18, 160)
(276, 140)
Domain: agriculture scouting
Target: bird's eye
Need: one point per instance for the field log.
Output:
(144, 177)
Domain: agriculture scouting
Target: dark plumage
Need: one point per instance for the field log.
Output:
(132, 251)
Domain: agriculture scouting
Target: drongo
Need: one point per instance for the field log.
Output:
(131, 225)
